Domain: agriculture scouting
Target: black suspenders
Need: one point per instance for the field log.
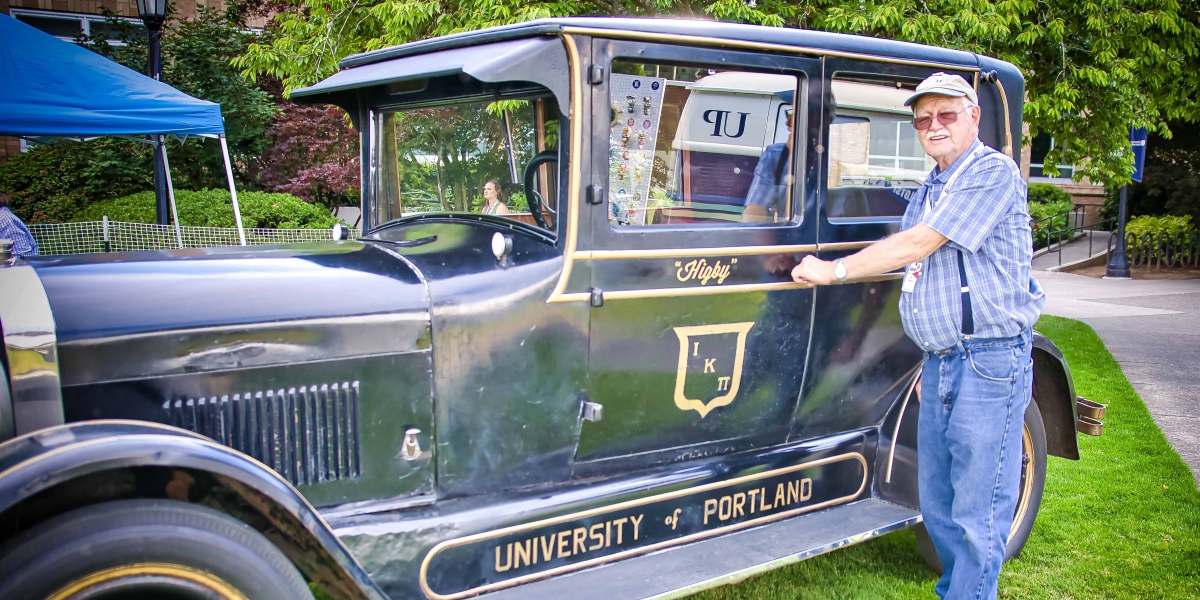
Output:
(968, 318)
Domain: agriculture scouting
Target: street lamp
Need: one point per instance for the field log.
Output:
(1118, 261)
(154, 14)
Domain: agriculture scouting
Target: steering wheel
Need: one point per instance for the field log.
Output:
(531, 195)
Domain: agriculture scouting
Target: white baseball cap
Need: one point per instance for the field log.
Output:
(943, 84)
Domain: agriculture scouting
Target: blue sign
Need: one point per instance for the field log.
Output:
(1137, 139)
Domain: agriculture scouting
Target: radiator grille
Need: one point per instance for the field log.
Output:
(308, 434)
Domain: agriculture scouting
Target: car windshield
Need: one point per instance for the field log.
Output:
(464, 157)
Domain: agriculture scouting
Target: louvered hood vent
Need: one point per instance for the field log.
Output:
(308, 434)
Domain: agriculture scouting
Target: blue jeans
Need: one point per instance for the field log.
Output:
(973, 400)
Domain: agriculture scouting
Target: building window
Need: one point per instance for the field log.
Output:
(894, 144)
(1041, 145)
(65, 26)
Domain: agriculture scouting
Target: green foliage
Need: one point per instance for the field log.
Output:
(197, 57)
(1044, 193)
(1171, 178)
(213, 208)
(1048, 208)
(51, 182)
(1093, 69)
(1139, 226)
(468, 141)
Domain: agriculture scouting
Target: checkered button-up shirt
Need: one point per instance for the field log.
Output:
(11, 228)
(986, 215)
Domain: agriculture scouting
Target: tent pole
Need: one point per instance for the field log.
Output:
(237, 213)
(170, 190)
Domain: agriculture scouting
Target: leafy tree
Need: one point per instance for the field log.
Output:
(1093, 68)
(197, 56)
(1171, 181)
(449, 152)
(312, 152)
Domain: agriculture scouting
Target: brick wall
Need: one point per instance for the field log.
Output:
(184, 9)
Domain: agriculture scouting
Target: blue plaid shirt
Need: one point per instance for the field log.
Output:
(11, 228)
(986, 215)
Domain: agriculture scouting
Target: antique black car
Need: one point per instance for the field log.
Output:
(613, 390)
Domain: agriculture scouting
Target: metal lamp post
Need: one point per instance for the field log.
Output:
(1118, 261)
(154, 14)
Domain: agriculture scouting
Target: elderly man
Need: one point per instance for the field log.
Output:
(15, 231)
(968, 300)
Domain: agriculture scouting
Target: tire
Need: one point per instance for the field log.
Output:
(1029, 500)
(133, 549)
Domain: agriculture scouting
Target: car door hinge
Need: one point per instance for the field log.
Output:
(595, 193)
(591, 411)
(597, 297)
(596, 75)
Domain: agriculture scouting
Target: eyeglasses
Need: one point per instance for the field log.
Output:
(945, 118)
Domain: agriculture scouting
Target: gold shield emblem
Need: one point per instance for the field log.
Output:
(712, 355)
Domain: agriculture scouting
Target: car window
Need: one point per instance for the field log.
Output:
(692, 145)
(875, 159)
(466, 157)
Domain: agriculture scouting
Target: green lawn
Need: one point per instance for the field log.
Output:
(1123, 522)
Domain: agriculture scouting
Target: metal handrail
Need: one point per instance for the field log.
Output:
(1094, 226)
(1077, 209)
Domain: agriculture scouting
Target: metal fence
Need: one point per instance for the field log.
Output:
(1163, 250)
(115, 236)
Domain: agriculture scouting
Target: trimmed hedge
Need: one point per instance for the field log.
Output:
(1139, 226)
(213, 208)
(1045, 193)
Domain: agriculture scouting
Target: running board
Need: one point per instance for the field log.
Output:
(725, 559)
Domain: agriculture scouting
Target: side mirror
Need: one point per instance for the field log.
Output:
(339, 232)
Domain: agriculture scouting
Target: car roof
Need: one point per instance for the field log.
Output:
(820, 42)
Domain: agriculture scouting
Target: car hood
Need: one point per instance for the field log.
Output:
(139, 314)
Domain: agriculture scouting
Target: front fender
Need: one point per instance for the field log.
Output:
(1055, 393)
(43, 459)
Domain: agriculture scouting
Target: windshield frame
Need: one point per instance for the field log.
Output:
(448, 92)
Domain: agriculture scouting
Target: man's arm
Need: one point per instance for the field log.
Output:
(889, 254)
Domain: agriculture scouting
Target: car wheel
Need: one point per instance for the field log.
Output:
(1029, 500)
(133, 549)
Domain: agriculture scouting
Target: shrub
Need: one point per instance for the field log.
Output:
(1045, 193)
(212, 208)
(1046, 201)
(1139, 226)
(51, 182)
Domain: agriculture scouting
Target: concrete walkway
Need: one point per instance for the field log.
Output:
(1074, 250)
(1152, 328)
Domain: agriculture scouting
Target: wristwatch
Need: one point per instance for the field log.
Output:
(839, 270)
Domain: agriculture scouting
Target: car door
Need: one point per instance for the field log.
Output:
(698, 335)
(873, 165)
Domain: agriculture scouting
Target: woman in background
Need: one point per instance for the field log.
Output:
(493, 199)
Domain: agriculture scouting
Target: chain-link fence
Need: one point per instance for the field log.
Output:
(115, 236)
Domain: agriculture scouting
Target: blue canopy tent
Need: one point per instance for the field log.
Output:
(55, 89)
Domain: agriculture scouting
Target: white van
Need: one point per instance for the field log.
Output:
(729, 120)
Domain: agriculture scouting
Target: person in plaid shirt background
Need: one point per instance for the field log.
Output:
(14, 230)
(968, 300)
